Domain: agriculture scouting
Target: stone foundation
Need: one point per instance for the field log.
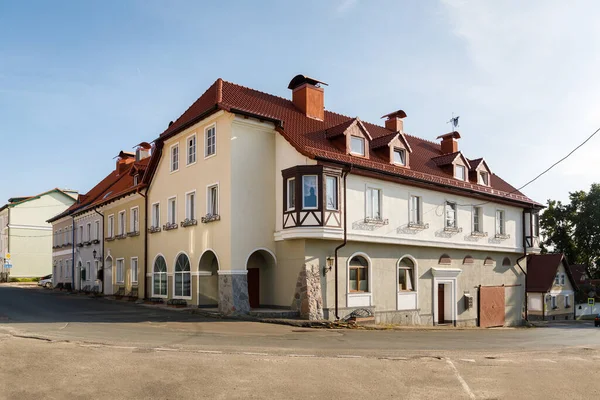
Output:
(308, 300)
(409, 317)
(233, 294)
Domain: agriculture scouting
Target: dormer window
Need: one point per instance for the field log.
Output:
(460, 172)
(400, 157)
(483, 178)
(357, 145)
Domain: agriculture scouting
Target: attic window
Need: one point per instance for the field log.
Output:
(357, 145)
(483, 178)
(136, 179)
(399, 156)
(459, 172)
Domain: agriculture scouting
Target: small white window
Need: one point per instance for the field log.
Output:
(136, 179)
(212, 204)
(500, 223)
(557, 280)
(134, 222)
(111, 226)
(80, 234)
(210, 141)
(451, 215)
(373, 203)
(134, 270)
(400, 156)
(190, 206)
(172, 210)
(121, 223)
(331, 188)
(291, 194)
(156, 215)
(89, 231)
(191, 149)
(120, 270)
(174, 157)
(97, 235)
(415, 210)
(310, 192)
(554, 302)
(357, 145)
(562, 279)
(459, 172)
(477, 219)
(483, 178)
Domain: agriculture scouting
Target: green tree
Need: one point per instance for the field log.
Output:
(557, 225)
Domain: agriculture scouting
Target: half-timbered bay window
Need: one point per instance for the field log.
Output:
(183, 277)
(159, 277)
(358, 274)
(311, 196)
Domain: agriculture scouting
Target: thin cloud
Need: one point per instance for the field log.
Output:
(345, 5)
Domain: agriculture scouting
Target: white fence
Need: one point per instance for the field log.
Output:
(585, 309)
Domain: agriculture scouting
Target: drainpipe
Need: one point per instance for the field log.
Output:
(522, 258)
(344, 176)
(101, 249)
(73, 255)
(145, 242)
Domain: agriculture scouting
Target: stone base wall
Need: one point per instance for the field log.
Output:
(308, 300)
(407, 317)
(555, 317)
(233, 294)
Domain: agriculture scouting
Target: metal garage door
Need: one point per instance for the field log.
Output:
(492, 300)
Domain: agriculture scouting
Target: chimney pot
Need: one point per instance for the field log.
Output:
(394, 121)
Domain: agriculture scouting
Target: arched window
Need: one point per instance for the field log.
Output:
(159, 277)
(488, 261)
(445, 259)
(359, 274)
(506, 262)
(183, 277)
(468, 260)
(406, 270)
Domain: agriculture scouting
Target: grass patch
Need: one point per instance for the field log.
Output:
(24, 279)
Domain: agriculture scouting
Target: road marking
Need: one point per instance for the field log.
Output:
(545, 360)
(460, 379)
(347, 356)
(60, 329)
(467, 360)
(249, 353)
(123, 347)
(210, 351)
(394, 358)
(164, 349)
(301, 355)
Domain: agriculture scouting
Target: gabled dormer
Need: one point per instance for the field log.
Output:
(479, 172)
(394, 148)
(352, 136)
(455, 164)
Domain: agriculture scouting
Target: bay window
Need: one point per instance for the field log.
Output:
(291, 194)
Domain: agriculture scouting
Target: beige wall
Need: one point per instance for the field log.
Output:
(126, 248)
(64, 253)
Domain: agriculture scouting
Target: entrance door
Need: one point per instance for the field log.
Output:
(108, 279)
(492, 306)
(254, 287)
(440, 298)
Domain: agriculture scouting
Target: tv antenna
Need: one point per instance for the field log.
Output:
(454, 121)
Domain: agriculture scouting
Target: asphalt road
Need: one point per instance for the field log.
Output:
(54, 345)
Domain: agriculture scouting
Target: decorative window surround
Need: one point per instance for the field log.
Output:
(154, 229)
(170, 226)
(188, 222)
(210, 218)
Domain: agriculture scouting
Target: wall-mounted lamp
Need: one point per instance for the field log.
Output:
(328, 266)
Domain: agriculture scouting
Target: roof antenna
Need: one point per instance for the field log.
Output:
(454, 121)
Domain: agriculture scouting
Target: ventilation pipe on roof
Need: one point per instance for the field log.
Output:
(308, 96)
(394, 121)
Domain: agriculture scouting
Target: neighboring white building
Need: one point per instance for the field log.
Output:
(25, 234)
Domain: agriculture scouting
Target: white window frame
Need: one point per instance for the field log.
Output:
(479, 219)
(174, 214)
(136, 180)
(336, 207)
(562, 279)
(557, 279)
(188, 213)
(358, 299)
(120, 275)
(134, 276)
(292, 206)
(88, 227)
(155, 216)
(364, 146)
(121, 222)
(403, 152)
(419, 220)
(172, 162)
(480, 178)
(188, 150)
(175, 273)
(110, 229)
(458, 167)
(304, 207)
(134, 226)
(206, 146)
(500, 224)
(166, 275)
(447, 204)
(369, 194)
(209, 201)
(97, 230)
(80, 238)
(88, 266)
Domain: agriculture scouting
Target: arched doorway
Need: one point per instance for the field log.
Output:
(159, 277)
(261, 278)
(107, 280)
(208, 280)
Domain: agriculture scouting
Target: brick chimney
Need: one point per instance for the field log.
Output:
(123, 160)
(394, 121)
(449, 142)
(142, 151)
(308, 96)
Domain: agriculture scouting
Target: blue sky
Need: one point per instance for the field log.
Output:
(81, 80)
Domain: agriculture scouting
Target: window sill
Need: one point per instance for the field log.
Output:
(417, 225)
(170, 226)
(188, 222)
(109, 239)
(190, 164)
(121, 236)
(154, 229)
(479, 234)
(210, 218)
(502, 236)
(452, 230)
(206, 157)
(376, 221)
(136, 233)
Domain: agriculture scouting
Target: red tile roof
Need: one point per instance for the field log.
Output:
(310, 137)
(446, 159)
(542, 269)
(578, 272)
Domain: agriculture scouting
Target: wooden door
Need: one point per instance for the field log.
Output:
(254, 287)
(492, 306)
(441, 316)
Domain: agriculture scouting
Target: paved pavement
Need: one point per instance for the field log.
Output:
(55, 345)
